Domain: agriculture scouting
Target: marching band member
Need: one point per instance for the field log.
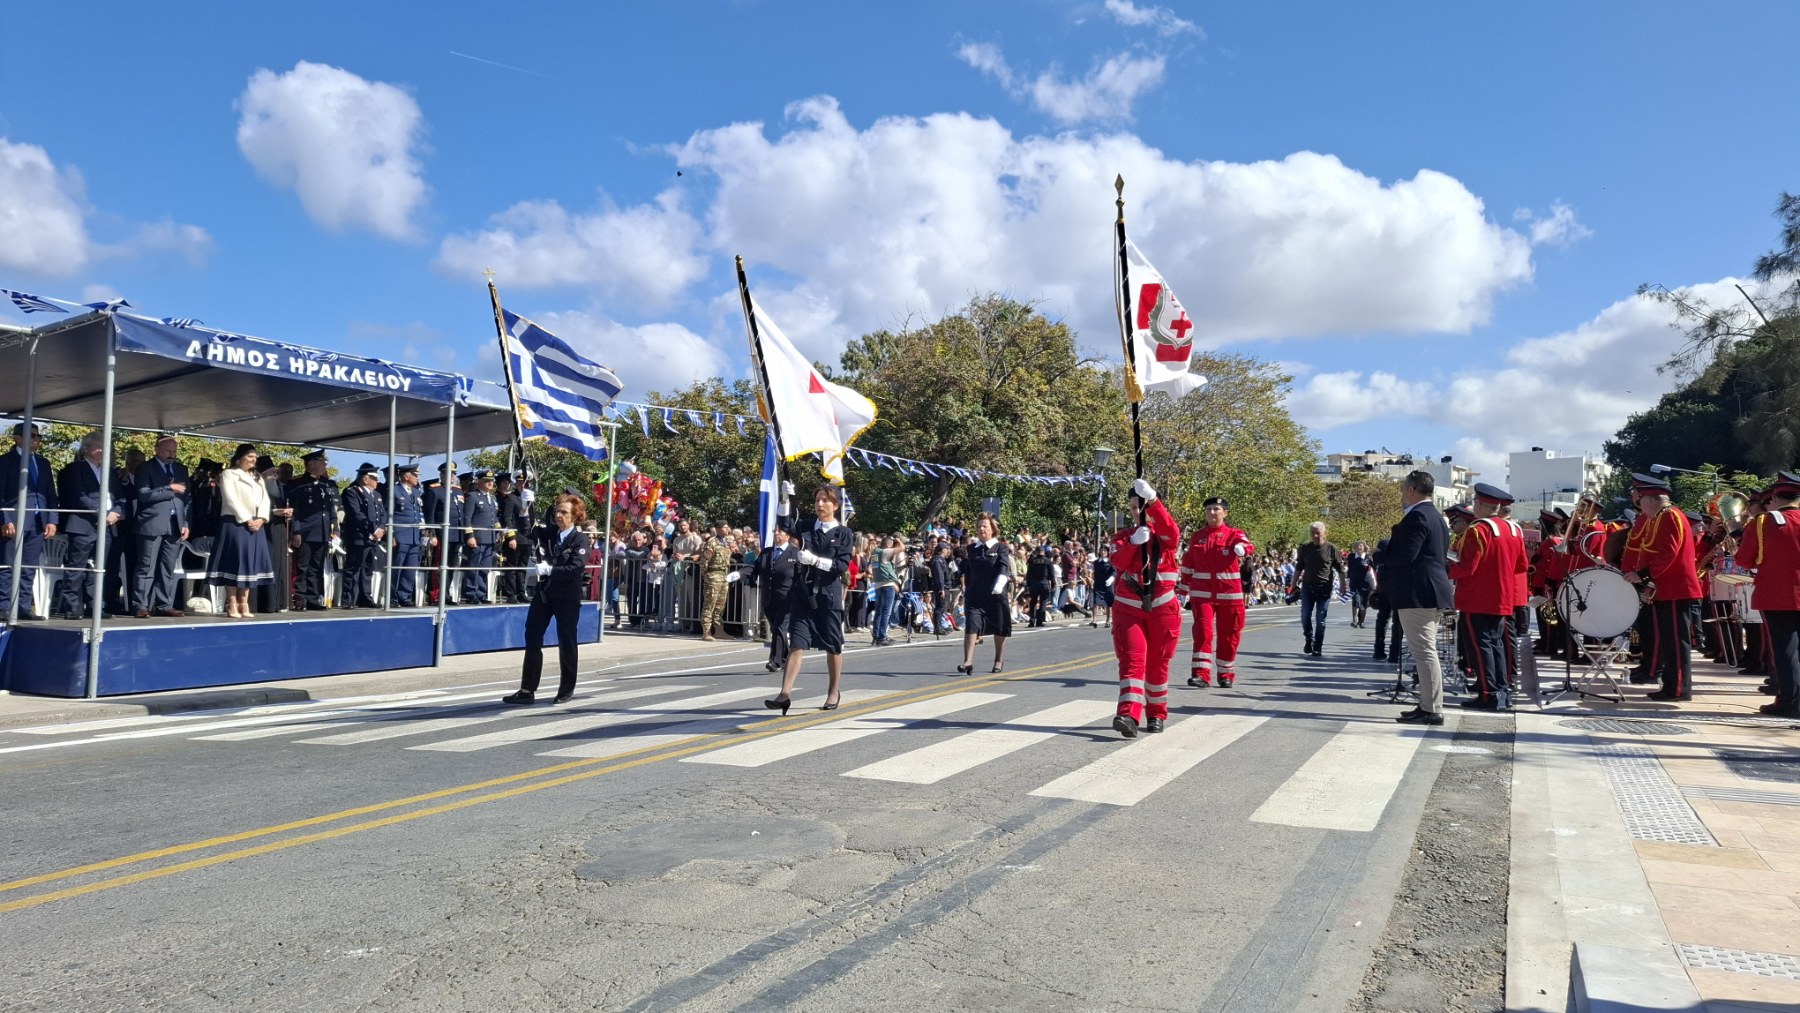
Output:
(1212, 579)
(1659, 552)
(1486, 574)
(1549, 568)
(1771, 546)
(1149, 619)
(1518, 624)
(1458, 517)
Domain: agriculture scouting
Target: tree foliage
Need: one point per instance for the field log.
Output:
(713, 474)
(1364, 508)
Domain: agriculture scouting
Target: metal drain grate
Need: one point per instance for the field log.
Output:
(1718, 958)
(1740, 795)
(1761, 766)
(1653, 806)
(1623, 726)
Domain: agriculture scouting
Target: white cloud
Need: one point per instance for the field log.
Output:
(43, 227)
(98, 292)
(1106, 93)
(1558, 228)
(915, 215)
(1329, 400)
(346, 145)
(190, 244)
(1162, 19)
(657, 356)
(645, 254)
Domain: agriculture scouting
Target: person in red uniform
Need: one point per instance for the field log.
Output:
(1771, 546)
(1212, 572)
(1147, 618)
(1486, 574)
(1518, 625)
(1546, 576)
(1458, 516)
(1660, 548)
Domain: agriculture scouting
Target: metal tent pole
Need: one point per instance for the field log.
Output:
(612, 433)
(96, 632)
(25, 453)
(443, 610)
(387, 578)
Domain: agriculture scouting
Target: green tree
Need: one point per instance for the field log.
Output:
(713, 475)
(1363, 508)
(1683, 422)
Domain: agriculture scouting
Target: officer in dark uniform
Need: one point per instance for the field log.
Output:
(365, 527)
(440, 497)
(409, 513)
(314, 499)
(774, 573)
(481, 534)
(513, 520)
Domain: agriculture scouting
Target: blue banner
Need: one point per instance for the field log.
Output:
(246, 354)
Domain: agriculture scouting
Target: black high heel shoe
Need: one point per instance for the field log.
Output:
(965, 670)
(999, 666)
(780, 703)
(831, 705)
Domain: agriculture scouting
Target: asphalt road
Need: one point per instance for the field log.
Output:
(941, 842)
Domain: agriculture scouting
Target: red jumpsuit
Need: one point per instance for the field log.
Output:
(1212, 578)
(1146, 622)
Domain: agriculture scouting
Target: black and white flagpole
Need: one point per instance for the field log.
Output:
(1133, 393)
(516, 452)
(762, 375)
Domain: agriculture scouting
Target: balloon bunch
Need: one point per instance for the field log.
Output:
(638, 499)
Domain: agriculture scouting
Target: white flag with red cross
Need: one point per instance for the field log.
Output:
(814, 414)
(1162, 334)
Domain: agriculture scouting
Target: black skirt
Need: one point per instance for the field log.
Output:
(240, 557)
(987, 615)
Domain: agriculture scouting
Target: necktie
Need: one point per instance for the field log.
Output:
(32, 470)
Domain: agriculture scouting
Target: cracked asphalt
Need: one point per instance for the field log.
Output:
(656, 884)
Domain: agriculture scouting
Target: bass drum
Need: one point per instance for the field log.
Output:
(1598, 602)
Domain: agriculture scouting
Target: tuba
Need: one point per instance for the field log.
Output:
(1727, 507)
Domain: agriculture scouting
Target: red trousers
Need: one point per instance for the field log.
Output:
(1145, 645)
(1229, 616)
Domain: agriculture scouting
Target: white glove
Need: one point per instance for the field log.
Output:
(1143, 490)
(787, 489)
(733, 577)
(1109, 581)
(822, 562)
(1239, 550)
(808, 559)
(528, 497)
(1141, 535)
(543, 569)
(1000, 583)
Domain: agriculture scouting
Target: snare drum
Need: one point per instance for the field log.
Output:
(1598, 602)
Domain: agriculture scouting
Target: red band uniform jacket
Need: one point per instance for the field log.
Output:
(1488, 568)
(1662, 546)
(1771, 546)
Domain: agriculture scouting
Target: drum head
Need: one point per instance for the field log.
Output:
(1598, 602)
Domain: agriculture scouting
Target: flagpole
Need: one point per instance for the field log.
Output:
(517, 450)
(1133, 393)
(762, 373)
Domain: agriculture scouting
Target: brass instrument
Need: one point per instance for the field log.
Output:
(1587, 508)
(1727, 507)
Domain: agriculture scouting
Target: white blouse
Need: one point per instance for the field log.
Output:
(243, 496)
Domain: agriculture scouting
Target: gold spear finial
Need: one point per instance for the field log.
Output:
(1119, 188)
(488, 273)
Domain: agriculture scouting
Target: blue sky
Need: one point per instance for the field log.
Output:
(1435, 215)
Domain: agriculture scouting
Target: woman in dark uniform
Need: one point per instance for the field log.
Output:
(986, 574)
(823, 548)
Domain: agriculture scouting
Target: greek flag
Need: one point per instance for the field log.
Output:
(29, 303)
(561, 396)
(768, 494)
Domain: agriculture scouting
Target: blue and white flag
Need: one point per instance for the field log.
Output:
(29, 303)
(562, 397)
(768, 495)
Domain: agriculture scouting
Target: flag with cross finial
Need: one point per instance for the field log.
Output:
(1162, 333)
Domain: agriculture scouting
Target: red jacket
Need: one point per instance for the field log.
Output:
(1550, 567)
(1212, 568)
(1771, 546)
(1128, 561)
(1663, 545)
(1488, 567)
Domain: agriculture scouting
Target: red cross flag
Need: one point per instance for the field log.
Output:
(1162, 334)
(815, 415)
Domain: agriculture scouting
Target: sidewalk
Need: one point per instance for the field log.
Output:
(1656, 853)
(500, 667)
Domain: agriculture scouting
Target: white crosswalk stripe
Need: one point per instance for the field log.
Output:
(1346, 785)
(807, 740)
(538, 730)
(395, 729)
(1128, 776)
(633, 740)
(934, 763)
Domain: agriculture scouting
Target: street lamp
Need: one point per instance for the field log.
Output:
(1102, 456)
(1663, 469)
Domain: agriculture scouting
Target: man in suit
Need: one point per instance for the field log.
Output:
(78, 492)
(774, 578)
(314, 499)
(442, 499)
(121, 541)
(40, 516)
(365, 526)
(481, 533)
(1414, 566)
(409, 514)
(162, 525)
(562, 552)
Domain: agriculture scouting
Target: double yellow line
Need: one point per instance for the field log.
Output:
(511, 786)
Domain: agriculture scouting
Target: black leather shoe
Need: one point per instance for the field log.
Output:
(1410, 712)
(1125, 726)
(1420, 718)
(519, 699)
(1153, 725)
(1777, 710)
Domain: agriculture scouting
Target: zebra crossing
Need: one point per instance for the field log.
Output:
(1344, 783)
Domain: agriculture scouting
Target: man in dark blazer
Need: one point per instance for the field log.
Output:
(40, 517)
(162, 525)
(121, 541)
(78, 488)
(1413, 565)
(562, 552)
(773, 576)
(365, 527)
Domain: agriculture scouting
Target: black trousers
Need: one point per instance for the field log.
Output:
(1518, 626)
(75, 590)
(777, 615)
(1783, 630)
(157, 557)
(1384, 615)
(512, 579)
(1487, 652)
(121, 546)
(309, 563)
(566, 612)
(1668, 651)
(357, 586)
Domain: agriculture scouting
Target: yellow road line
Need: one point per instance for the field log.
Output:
(700, 743)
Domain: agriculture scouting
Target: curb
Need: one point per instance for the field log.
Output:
(1613, 979)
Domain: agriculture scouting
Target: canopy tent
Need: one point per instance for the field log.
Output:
(198, 380)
